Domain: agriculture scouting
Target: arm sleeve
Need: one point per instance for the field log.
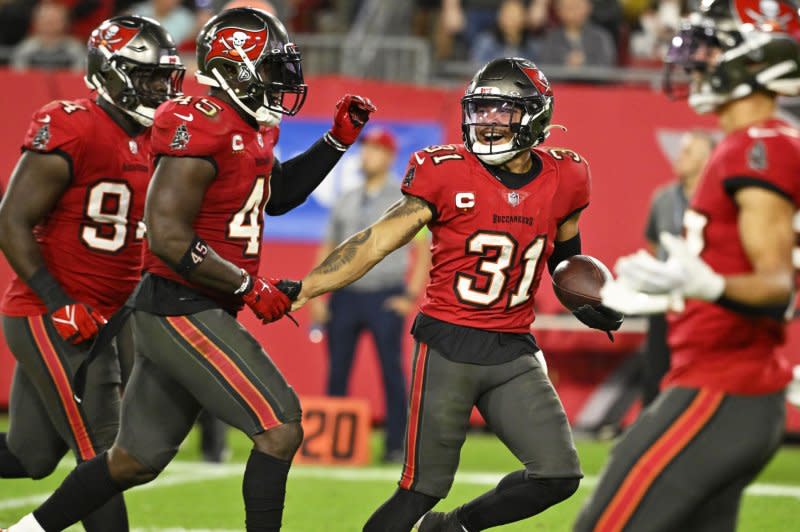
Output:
(563, 251)
(293, 181)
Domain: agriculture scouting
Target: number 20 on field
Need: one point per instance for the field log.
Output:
(337, 431)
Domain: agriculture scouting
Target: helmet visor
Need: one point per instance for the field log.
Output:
(282, 76)
(491, 122)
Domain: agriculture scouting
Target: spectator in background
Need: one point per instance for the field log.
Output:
(605, 13)
(49, 46)
(508, 38)
(86, 15)
(15, 17)
(576, 42)
(380, 301)
(176, 19)
(658, 24)
(666, 214)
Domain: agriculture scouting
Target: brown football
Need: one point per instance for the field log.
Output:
(577, 281)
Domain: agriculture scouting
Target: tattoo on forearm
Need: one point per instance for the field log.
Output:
(405, 207)
(344, 253)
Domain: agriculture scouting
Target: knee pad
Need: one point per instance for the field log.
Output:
(39, 467)
(127, 471)
(561, 488)
(281, 442)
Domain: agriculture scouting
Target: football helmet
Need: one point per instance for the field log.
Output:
(247, 53)
(730, 49)
(133, 64)
(506, 109)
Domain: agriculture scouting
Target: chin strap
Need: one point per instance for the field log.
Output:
(263, 115)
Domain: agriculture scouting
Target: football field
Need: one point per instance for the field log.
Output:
(193, 496)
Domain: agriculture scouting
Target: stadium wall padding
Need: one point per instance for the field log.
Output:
(626, 133)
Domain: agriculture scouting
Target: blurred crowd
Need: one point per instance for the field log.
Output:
(572, 33)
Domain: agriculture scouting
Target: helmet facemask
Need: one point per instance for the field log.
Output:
(137, 89)
(497, 128)
(713, 63)
(267, 90)
(133, 65)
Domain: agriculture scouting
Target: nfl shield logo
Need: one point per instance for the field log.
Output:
(513, 198)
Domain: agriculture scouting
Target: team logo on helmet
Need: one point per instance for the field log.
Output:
(768, 15)
(112, 36)
(537, 78)
(228, 42)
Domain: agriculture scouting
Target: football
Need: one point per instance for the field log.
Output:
(577, 281)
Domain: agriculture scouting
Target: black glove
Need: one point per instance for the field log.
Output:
(599, 317)
(290, 288)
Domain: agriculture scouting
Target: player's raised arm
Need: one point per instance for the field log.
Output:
(294, 180)
(359, 253)
(174, 198)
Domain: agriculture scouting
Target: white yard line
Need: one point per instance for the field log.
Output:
(191, 472)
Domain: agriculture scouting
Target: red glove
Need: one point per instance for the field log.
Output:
(352, 112)
(77, 323)
(266, 301)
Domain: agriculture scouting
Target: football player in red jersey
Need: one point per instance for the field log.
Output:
(720, 416)
(499, 208)
(69, 227)
(214, 177)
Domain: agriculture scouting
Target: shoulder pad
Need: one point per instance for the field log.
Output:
(189, 126)
(61, 124)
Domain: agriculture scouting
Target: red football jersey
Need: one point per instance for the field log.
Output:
(231, 217)
(490, 242)
(713, 346)
(92, 239)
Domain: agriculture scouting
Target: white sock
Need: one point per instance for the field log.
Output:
(27, 524)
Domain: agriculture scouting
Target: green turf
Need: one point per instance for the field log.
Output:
(318, 503)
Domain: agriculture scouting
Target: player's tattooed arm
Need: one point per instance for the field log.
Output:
(359, 253)
(36, 185)
(174, 198)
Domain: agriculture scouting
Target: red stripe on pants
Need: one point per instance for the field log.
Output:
(227, 369)
(645, 471)
(409, 470)
(63, 386)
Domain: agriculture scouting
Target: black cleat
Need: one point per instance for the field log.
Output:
(439, 522)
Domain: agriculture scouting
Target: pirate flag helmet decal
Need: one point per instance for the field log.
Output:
(247, 53)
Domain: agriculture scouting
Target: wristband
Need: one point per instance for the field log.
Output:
(333, 143)
(247, 284)
(195, 254)
(48, 289)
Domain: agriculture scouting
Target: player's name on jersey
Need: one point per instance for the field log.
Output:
(512, 219)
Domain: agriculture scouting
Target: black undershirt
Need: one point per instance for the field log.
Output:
(468, 345)
(516, 181)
